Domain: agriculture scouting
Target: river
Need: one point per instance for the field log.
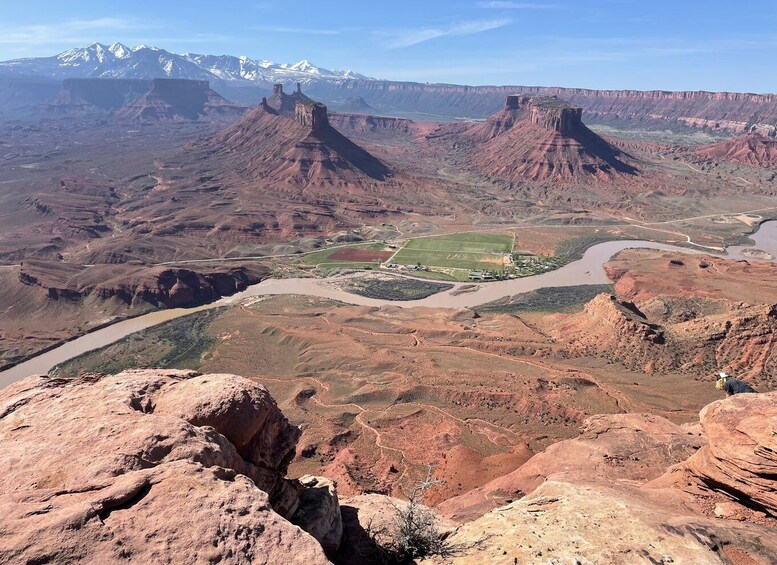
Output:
(587, 270)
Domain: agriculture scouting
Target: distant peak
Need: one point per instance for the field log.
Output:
(119, 50)
(303, 65)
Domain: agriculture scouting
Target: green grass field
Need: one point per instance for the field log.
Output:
(469, 251)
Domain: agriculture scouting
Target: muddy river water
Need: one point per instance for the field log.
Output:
(587, 270)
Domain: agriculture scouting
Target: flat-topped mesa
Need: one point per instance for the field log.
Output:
(179, 85)
(311, 114)
(564, 119)
(88, 95)
(548, 112)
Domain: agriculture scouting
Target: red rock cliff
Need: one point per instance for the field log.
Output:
(311, 114)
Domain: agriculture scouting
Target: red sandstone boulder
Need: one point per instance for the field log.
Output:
(740, 461)
(240, 410)
(154, 466)
(318, 512)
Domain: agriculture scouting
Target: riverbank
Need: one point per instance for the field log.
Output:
(588, 270)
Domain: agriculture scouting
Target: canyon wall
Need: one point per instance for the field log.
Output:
(729, 111)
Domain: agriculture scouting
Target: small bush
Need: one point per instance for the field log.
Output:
(415, 534)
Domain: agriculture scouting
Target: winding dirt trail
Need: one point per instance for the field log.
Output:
(358, 419)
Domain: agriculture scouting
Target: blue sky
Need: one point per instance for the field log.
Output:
(642, 44)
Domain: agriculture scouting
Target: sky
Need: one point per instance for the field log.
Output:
(640, 44)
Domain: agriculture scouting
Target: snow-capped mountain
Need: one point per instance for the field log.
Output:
(118, 61)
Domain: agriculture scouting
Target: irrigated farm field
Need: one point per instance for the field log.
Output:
(462, 251)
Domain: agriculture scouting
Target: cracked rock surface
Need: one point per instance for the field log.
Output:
(150, 465)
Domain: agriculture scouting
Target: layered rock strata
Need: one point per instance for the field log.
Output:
(543, 138)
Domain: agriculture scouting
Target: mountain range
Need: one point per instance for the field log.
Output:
(24, 83)
(119, 61)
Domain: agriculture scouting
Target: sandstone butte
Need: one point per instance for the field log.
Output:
(138, 100)
(541, 138)
(169, 466)
(288, 139)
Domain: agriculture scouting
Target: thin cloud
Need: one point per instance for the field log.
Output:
(297, 30)
(496, 5)
(408, 37)
(73, 31)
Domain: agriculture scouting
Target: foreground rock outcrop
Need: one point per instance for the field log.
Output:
(630, 447)
(563, 522)
(740, 461)
(154, 466)
(587, 500)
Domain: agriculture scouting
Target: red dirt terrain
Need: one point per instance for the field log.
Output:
(381, 393)
(693, 314)
(284, 178)
(750, 149)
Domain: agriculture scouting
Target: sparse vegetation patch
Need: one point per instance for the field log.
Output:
(384, 287)
(180, 344)
(552, 299)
